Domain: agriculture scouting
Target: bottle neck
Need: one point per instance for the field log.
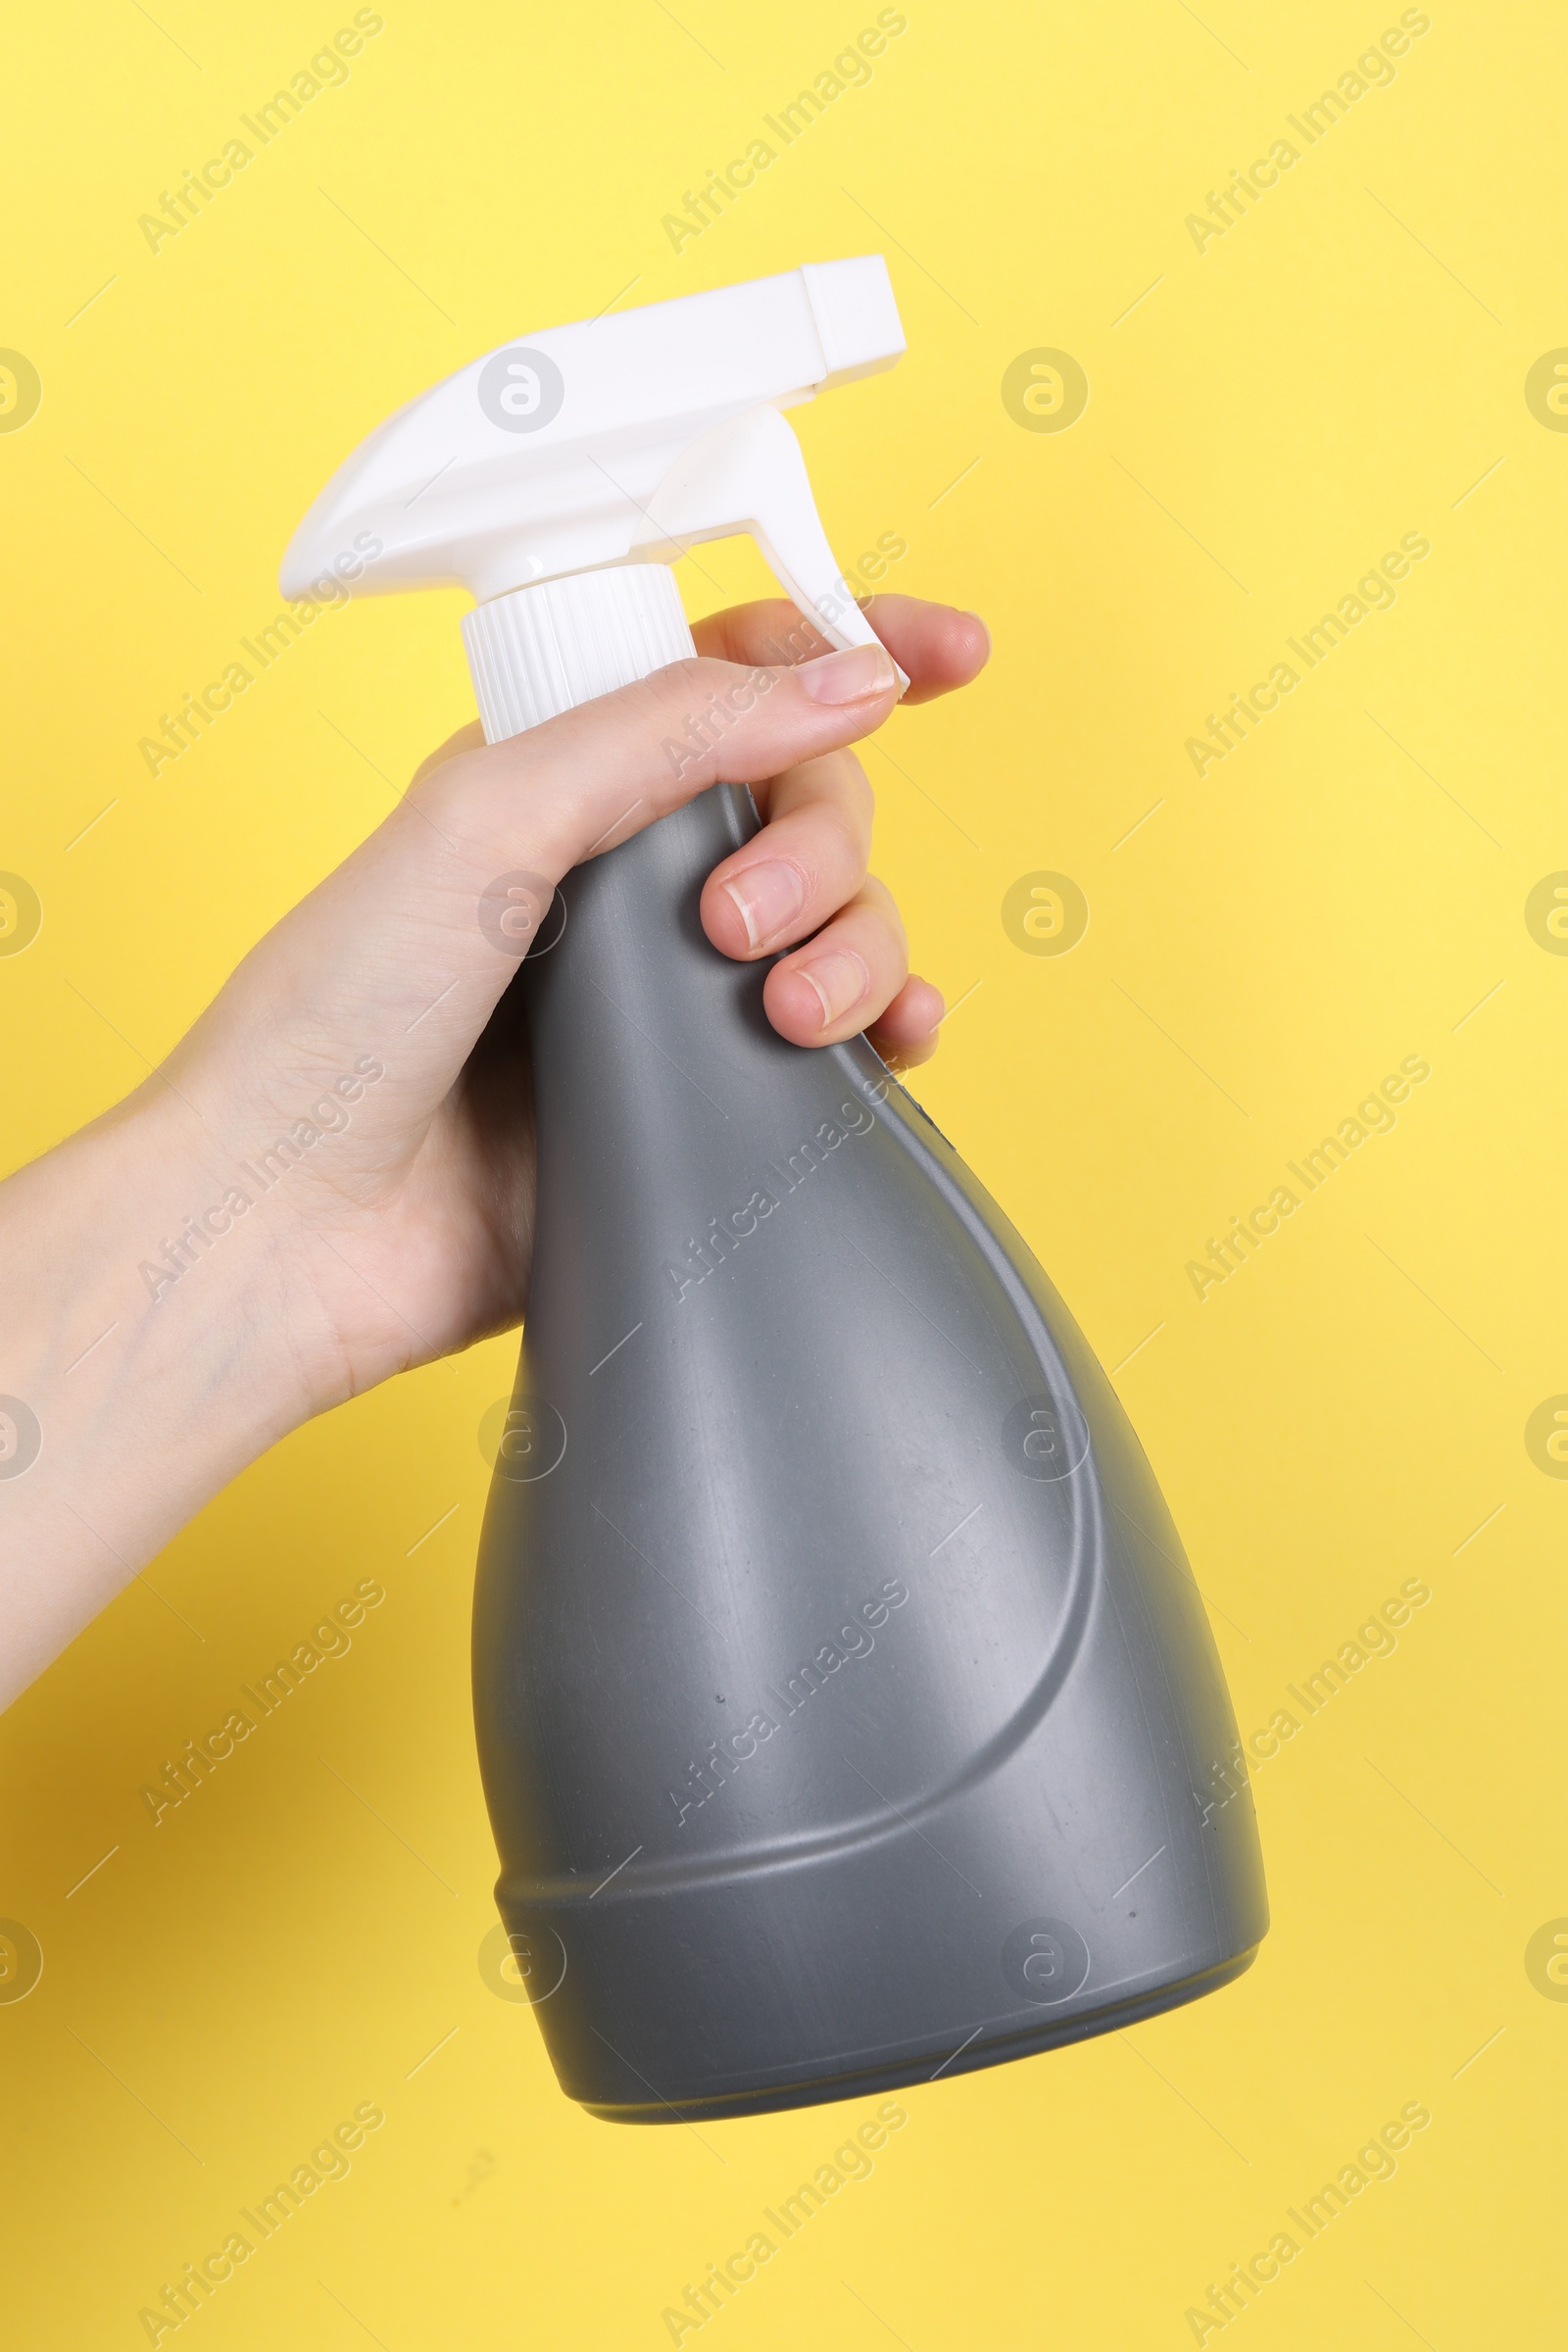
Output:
(543, 650)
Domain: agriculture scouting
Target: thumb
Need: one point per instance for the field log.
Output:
(404, 951)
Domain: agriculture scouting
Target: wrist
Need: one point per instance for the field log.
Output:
(146, 1340)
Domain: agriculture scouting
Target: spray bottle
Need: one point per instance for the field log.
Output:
(847, 1711)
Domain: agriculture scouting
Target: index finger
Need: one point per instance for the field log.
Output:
(936, 646)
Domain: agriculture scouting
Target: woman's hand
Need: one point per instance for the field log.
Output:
(226, 1289)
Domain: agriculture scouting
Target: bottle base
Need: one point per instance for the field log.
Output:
(931, 2064)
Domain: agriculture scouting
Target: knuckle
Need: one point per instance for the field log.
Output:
(451, 787)
(848, 835)
(698, 704)
(681, 679)
(854, 803)
(880, 904)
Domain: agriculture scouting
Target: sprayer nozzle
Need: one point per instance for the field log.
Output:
(624, 438)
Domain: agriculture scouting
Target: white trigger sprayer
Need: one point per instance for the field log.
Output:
(557, 480)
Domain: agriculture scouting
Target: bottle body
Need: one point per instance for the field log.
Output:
(847, 1711)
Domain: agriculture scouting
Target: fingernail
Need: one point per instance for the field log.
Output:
(768, 895)
(840, 980)
(865, 670)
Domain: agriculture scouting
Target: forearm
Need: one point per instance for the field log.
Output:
(140, 1367)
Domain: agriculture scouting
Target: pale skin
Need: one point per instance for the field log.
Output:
(408, 1235)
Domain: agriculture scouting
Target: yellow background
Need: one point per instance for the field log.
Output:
(1341, 368)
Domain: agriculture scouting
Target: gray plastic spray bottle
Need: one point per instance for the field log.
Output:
(847, 1713)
